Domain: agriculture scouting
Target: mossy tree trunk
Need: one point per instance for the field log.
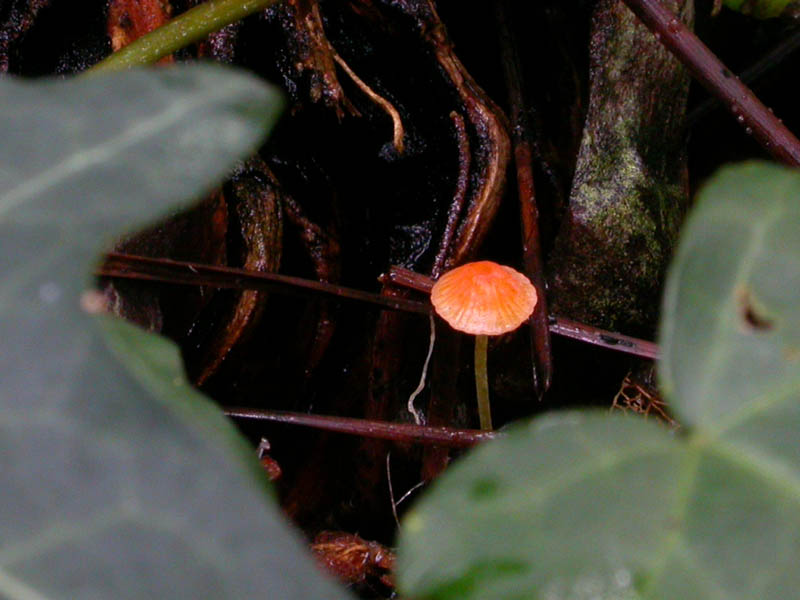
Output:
(630, 188)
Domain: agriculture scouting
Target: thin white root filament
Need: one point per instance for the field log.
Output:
(417, 417)
(397, 123)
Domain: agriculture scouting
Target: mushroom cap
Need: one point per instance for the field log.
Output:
(484, 298)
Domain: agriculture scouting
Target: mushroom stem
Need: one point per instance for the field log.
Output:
(482, 382)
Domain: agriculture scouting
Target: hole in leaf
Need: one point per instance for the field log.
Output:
(753, 316)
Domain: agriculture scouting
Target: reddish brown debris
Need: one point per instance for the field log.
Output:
(635, 396)
(131, 19)
(354, 560)
(270, 465)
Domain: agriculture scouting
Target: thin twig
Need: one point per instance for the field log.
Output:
(398, 432)
(164, 270)
(763, 65)
(407, 278)
(756, 118)
(529, 213)
(557, 325)
(601, 337)
(176, 272)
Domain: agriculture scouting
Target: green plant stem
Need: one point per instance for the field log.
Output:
(185, 29)
(482, 382)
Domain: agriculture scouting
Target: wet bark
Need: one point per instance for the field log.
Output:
(255, 242)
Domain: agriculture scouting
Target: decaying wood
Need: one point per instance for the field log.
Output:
(459, 196)
(324, 250)
(130, 19)
(312, 54)
(255, 202)
(488, 125)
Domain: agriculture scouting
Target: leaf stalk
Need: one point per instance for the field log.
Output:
(185, 29)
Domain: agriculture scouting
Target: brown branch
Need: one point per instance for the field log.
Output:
(176, 272)
(164, 270)
(398, 432)
(601, 337)
(486, 123)
(756, 118)
(557, 325)
(408, 279)
(755, 71)
(529, 214)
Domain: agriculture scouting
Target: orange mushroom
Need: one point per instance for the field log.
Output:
(483, 299)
